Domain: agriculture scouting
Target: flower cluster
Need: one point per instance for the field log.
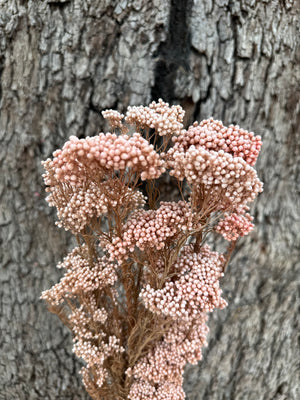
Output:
(114, 118)
(220, 159)
(229, 181)
(213, 135)
(195, 290)
(159, 116)
(152, 229)
(82, 277)
(94, 355)
(94, 157)
(138, 287)
(181, 344)
(77, 207)
(87, 326)
(235, 225)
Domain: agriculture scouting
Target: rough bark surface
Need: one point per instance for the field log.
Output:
(61, 63)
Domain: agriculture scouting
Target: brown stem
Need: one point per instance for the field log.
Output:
(229, 253)
(198, 242)
(152, 193)
(129, 292)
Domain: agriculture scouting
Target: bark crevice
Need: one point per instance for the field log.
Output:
(173, 53)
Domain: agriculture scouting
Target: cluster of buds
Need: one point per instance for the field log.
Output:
(138, 287)
(159, 116)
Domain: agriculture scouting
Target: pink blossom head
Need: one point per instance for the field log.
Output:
(94, 158)
(196, 290)
(228, 181)
(235, 225)
(212, 135)
(160, 116)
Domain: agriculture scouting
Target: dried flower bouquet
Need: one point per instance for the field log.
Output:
(138, 287)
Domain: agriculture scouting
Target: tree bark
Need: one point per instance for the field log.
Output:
(61, 63)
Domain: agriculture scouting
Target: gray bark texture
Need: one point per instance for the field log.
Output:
(61, 63)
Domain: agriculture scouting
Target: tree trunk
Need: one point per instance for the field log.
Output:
(61, 63)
